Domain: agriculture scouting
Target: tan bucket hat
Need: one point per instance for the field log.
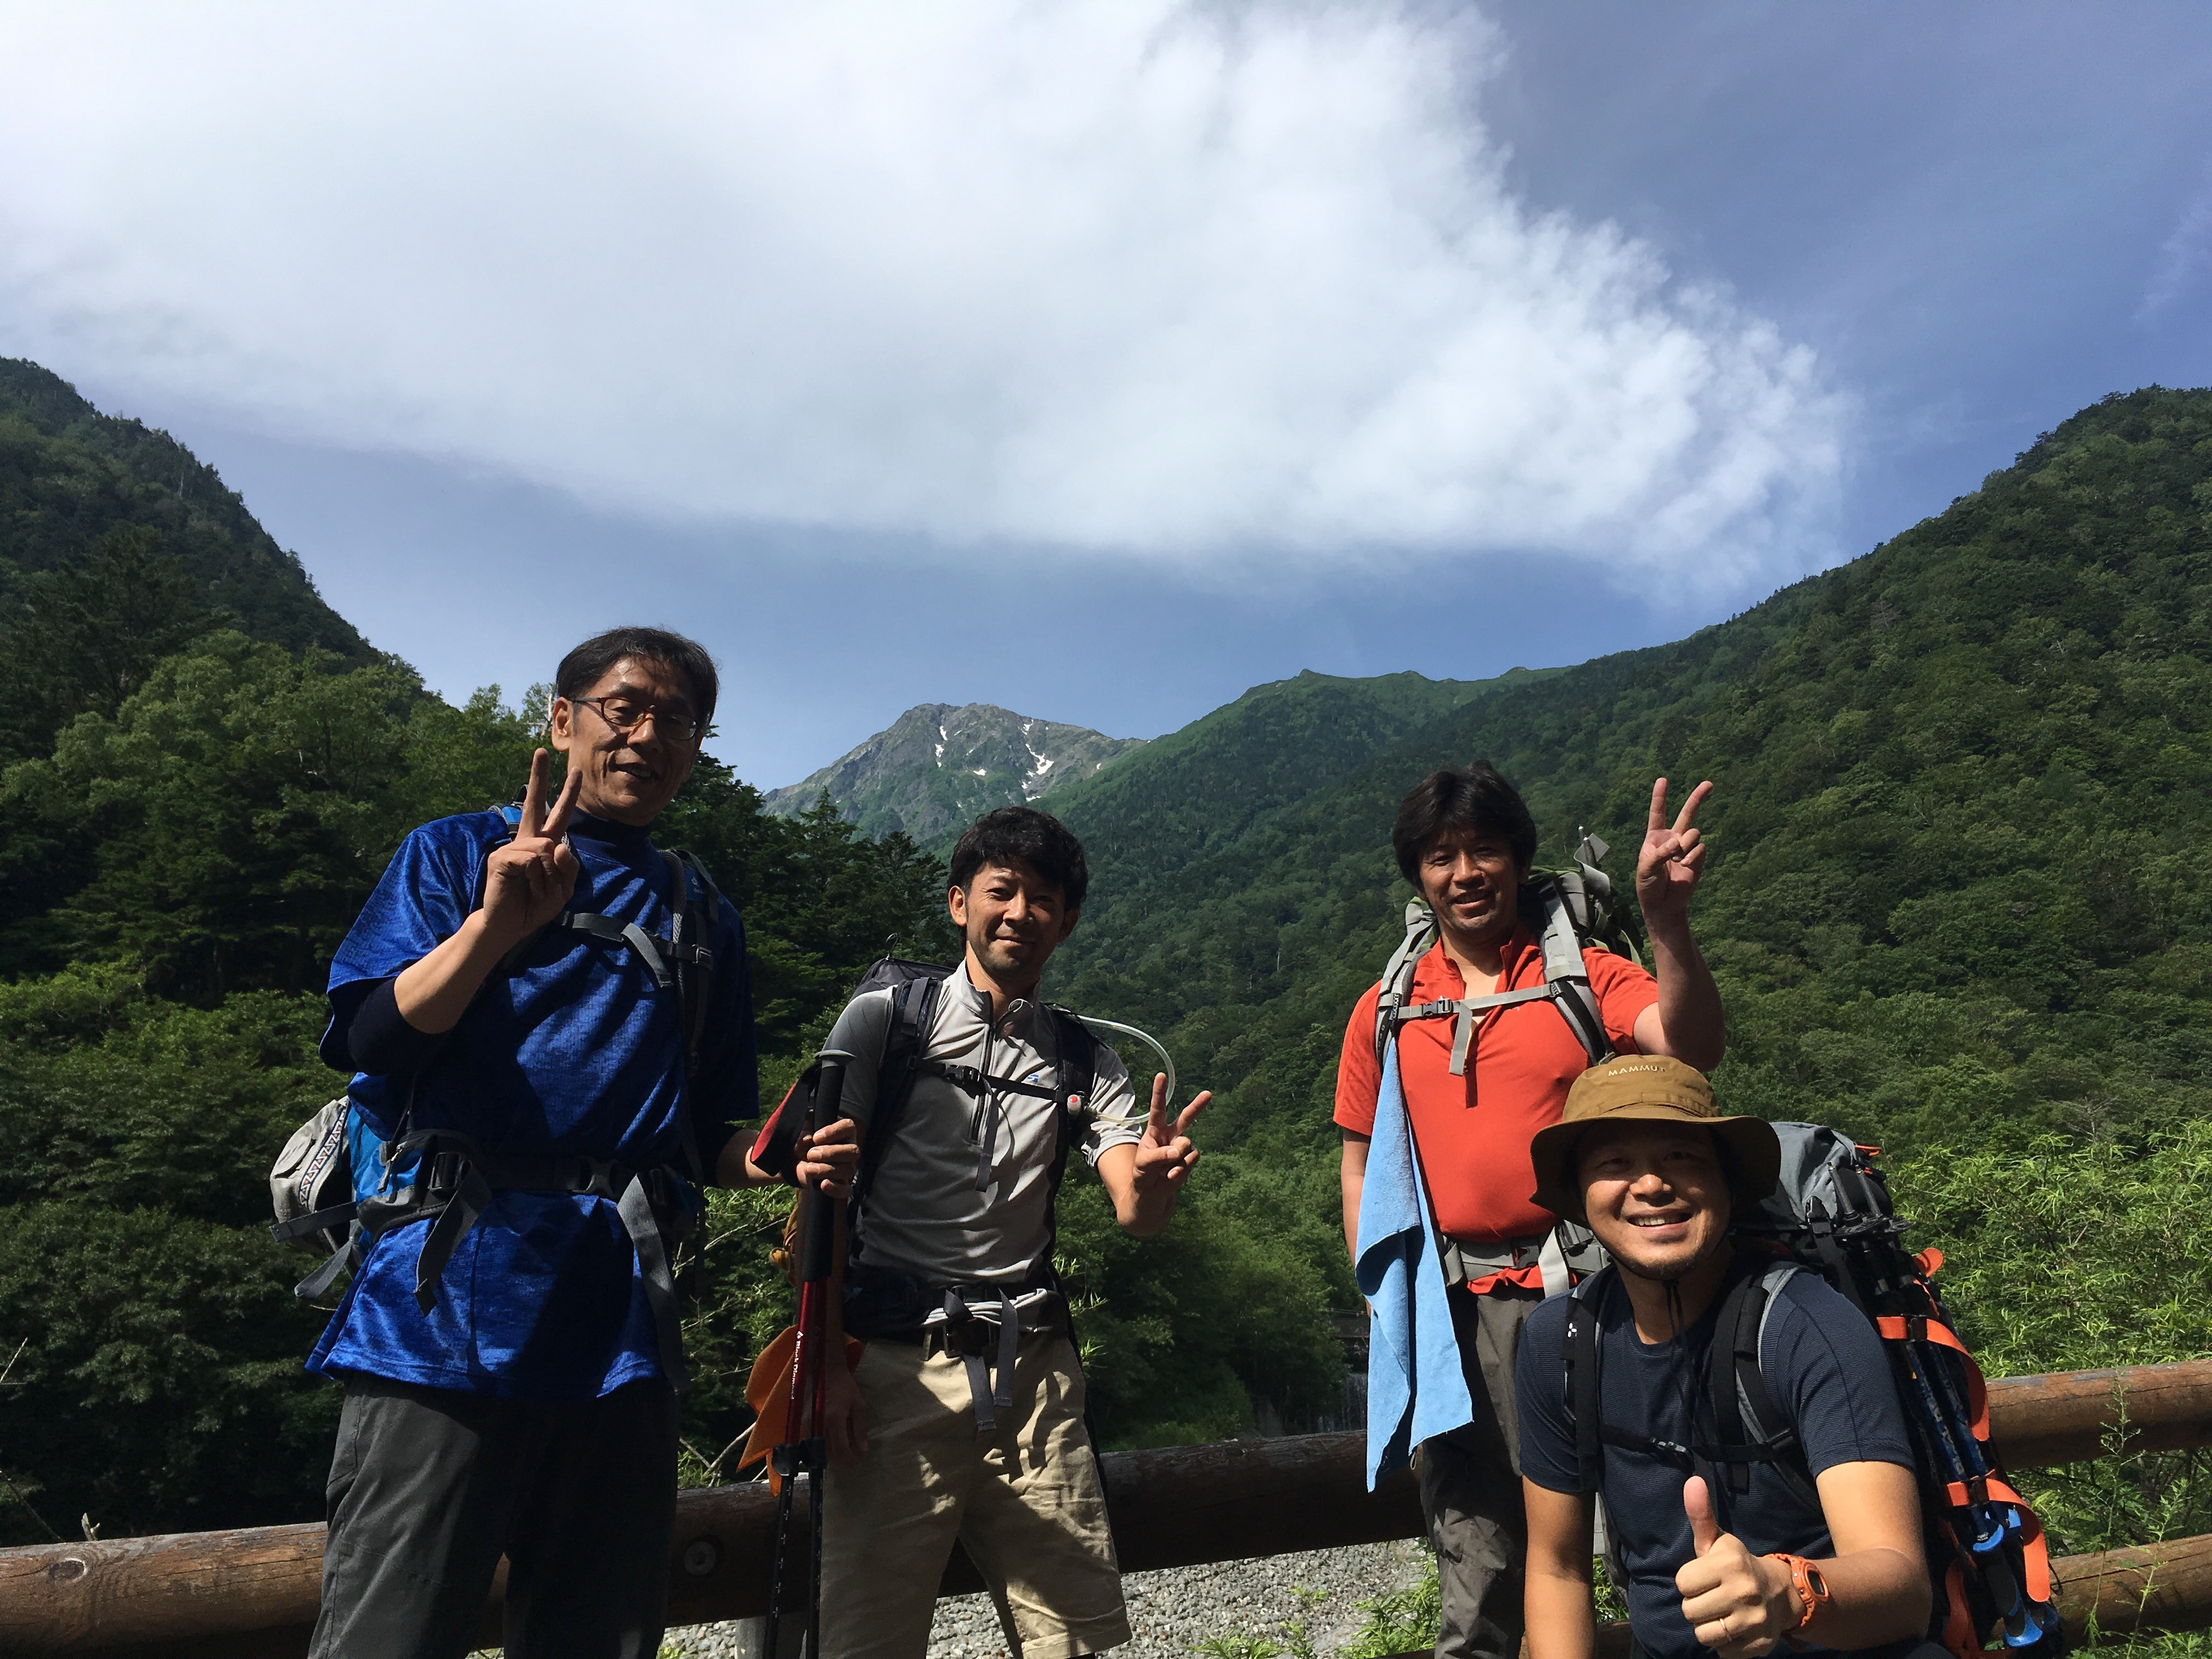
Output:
(1653, 1088)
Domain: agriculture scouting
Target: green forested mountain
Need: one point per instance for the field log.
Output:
(937, 769)
(1958, 825)
(209, 770)
(70, 476)
(116, 547)
(1955, 904)
(1200, 789)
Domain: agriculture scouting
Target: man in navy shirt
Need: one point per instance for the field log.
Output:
(512, 995)
(1641, 1155)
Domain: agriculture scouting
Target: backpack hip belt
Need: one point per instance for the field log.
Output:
(977, 1322)
(1565, 1254)
(453, 1187)
(999, 1318)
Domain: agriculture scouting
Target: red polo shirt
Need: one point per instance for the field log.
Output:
(1473, 1131)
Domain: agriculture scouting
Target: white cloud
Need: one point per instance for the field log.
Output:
(1188, 283)
(2184, 258)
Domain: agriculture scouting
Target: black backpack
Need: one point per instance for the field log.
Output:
(915, 987)
(1830, 1214)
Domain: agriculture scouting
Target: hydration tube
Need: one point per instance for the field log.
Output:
(1147, 1039)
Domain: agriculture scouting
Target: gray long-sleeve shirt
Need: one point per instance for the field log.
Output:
(924, 1214)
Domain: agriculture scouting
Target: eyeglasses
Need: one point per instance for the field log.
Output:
(626, 714)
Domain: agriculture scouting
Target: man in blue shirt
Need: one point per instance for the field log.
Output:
(514, 997)
(1828, 1555)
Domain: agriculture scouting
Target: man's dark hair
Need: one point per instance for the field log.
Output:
(585, 665)
(1475, 800)
(1022, 834)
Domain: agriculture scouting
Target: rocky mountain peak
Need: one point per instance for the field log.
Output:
(939, 766)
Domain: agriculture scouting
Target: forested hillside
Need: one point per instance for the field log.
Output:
(1959, 811)
(1201, 788)
(211, 771)
(1956, 902)
(1956, 906)
(98, 516)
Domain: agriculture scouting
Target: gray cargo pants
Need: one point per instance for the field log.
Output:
(430, 1486)
(1471, 1487)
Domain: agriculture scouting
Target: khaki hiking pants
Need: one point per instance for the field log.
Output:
(1025, 1503)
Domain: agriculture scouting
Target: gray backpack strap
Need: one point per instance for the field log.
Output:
(1398, 975)
(1566, 976)
(1571, 1251)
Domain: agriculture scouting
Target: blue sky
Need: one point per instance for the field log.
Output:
(1097, 368)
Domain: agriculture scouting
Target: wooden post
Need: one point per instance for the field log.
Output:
(253, 1593)
(2038, 1422)
(2164, 1587)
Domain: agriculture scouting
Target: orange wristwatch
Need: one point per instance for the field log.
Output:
(1812, 1588)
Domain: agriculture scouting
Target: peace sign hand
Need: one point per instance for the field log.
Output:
(1165, 1158)
(1671, 860)
(530, 881)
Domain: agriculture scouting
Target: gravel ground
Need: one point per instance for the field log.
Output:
(1169, 1612)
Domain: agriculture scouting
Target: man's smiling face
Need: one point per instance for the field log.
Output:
(1013, 920)
(1473, 881)
(629, 777)
(1657, 1194)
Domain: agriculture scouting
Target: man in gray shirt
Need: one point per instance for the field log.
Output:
(963, 1419)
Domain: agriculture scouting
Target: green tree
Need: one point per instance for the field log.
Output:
(83, 635)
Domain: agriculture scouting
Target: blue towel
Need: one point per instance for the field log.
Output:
(1415, 1387)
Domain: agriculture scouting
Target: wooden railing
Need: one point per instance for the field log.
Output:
(253, 1593)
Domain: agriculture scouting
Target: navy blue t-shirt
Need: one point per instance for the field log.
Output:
(576, 1051)
(1824, 1369)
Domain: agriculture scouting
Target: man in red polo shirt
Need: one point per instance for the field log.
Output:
(1465, 839)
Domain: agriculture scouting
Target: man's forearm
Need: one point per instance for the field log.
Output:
(1562, 1622)
(1351, 1184)
(1555, 1595)
(1690, 1011)
(432, 992)
(1877, 1595)
(734, 1167)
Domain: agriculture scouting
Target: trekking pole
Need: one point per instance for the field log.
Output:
(1994, 1545)
(805, 1451)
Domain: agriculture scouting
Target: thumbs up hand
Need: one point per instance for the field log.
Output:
(1738, 1604)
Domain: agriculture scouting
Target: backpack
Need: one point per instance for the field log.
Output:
(914, 988)
(1565, 909)
(325, 1195)
(887, 1303)
(1830, 1214)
